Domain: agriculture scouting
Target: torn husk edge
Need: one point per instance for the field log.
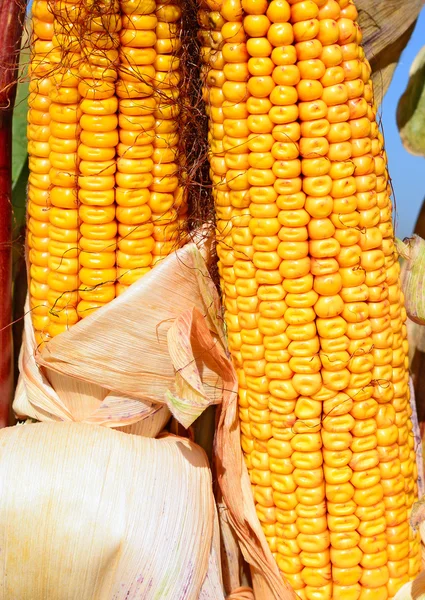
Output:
(158, 346)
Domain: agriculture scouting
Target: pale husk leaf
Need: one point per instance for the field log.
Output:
(413, 251)
(94, 514)
(212, 588)
(44, 395)
(120, 364)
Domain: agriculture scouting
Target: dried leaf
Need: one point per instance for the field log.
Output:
(160, 343)
(242, 593)
(98, 514)
(411, 108)
(413, 251)
(193, 351)
(387, 26)
(417, 440)
(231, 557)
(212, 588)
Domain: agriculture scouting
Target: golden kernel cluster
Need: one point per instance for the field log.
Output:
(311, 289)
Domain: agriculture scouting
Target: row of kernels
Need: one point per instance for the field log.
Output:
(63, 141)
(38, 133)
(349, 505)
(168, 199)
(227, 152)
(313, 146)
(370, 439)
(399, 375)
(398, 566)
(313, 578)
(211, 23)
(270, 309)
(312, 542)
(96, 152)
(137, 104)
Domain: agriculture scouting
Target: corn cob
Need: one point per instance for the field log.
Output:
(105, 199)
(312, 297)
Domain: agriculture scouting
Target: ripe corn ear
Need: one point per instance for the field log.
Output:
(313, 306)
(106, 200)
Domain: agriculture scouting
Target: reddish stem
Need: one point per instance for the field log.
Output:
(12, 15)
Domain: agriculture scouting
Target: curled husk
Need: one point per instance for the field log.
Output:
(155, 350)
(413, 251)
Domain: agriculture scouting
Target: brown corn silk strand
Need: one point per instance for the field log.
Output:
(310, 282)
(107, 192)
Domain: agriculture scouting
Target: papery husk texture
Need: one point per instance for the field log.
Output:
(88, 513)
(118, 368)
(153, 351)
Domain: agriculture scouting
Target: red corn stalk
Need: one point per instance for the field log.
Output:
(12, 15)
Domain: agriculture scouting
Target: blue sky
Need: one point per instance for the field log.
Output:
(407, 171)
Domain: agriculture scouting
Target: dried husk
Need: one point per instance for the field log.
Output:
(242, 593)
(386, 26)
(153, 351)
(115, 368)
(212, 588)
(88, 513)
(231, 558)
(413, 251)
